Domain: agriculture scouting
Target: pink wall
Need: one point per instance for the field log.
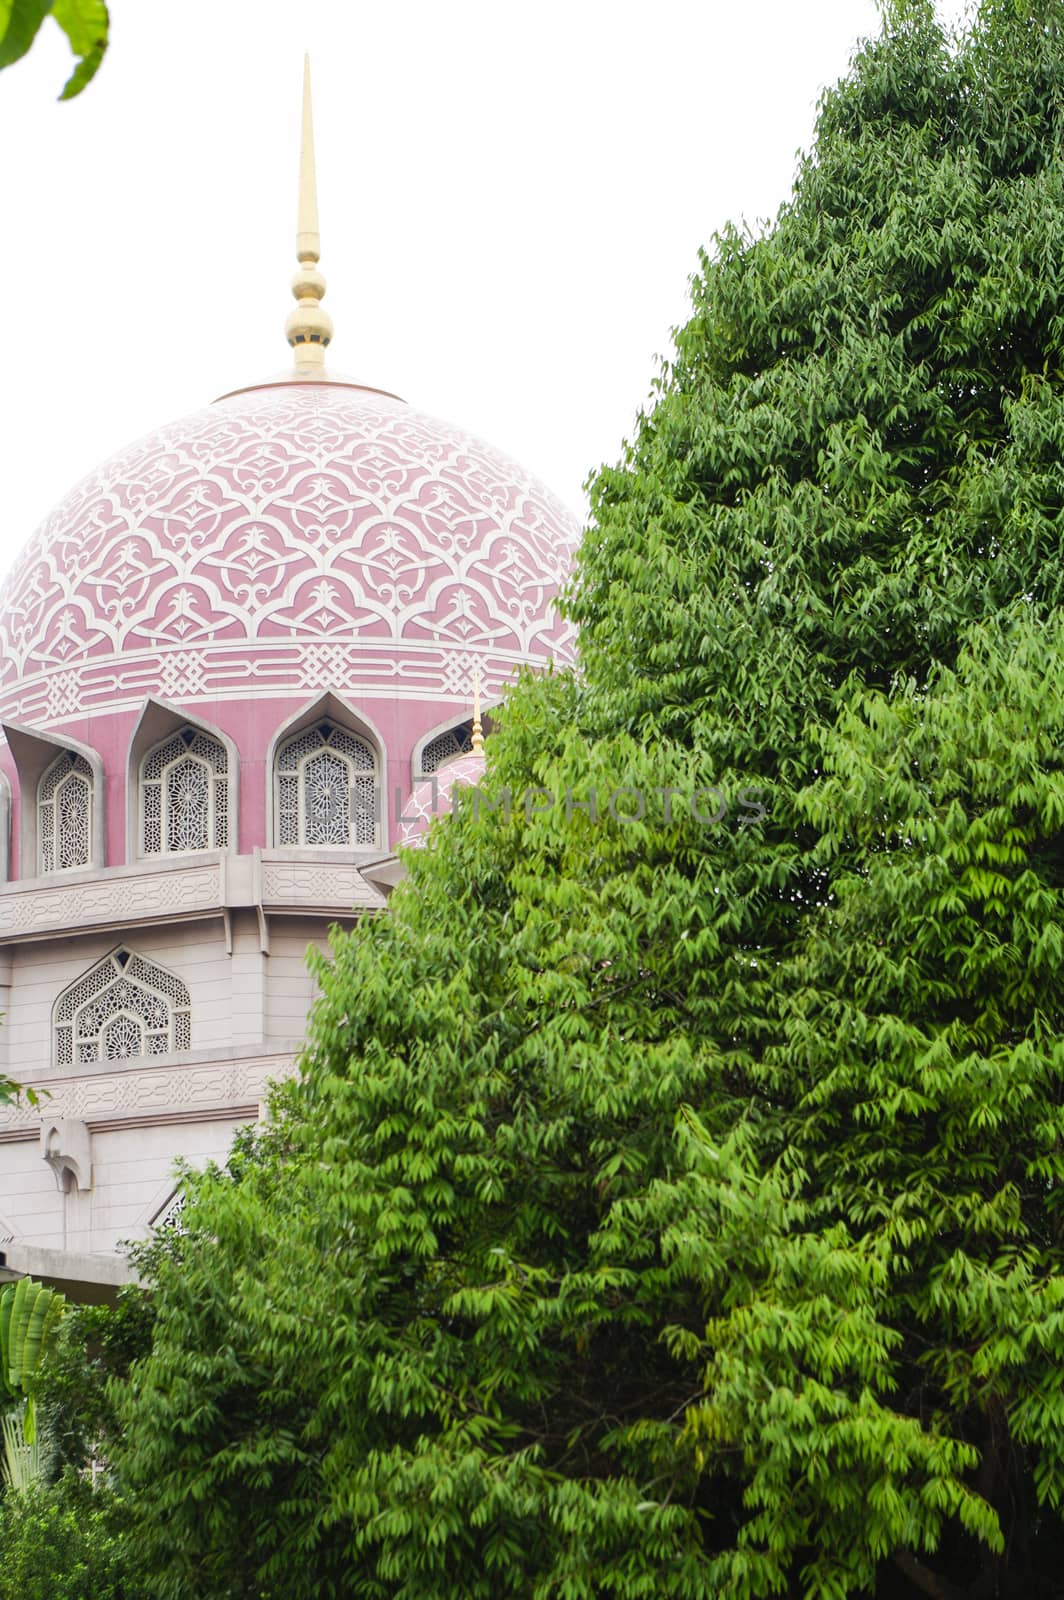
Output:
(395, 725)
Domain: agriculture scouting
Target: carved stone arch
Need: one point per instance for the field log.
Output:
(159, 721)
(124, 1007)
(66, 1147)
(451, 724)
(326, 708)
(164, 1208)
(35, 753)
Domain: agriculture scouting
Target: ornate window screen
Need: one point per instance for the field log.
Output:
(170, 1214)
(123, 1007)
(457, 741)
(326, 789)
(184, 795)
(64, 815)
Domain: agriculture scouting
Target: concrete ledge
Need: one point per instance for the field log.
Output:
(160, 890)
(89, 1277)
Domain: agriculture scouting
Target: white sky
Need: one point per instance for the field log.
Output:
(512, 200)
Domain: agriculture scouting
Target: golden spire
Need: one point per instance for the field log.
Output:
(478, 731)
(309, 328)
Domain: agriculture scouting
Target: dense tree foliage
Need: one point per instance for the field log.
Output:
(72, 1390)
(63, 1529)
(65, 1542)
(672, 1206)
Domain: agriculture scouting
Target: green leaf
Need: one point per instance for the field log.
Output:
(86, 24)
(19, 24)
(7, 1302)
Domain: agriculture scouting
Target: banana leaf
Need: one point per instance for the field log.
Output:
(20, 1464)
(7, 1300)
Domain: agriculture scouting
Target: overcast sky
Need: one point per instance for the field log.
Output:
(512, 200)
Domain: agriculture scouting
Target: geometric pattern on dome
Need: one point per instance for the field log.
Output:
(217, 550)
(184, 793)
(64, 815)
(327, 793)
(434, 796)
(122, 1007)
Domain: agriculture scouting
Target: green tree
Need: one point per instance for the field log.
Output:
(65, 1542)
(72, 1387)
(672, 1207)
(85, 23)
(63, 1529)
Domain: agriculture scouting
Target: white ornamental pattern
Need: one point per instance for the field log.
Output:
(147, 1092)
(64, 815)
(276, 539)
(146, 897)
(184, 795)
(327, 790)
(435, 796)
(125, 1006)
(457, 741)
(170, 1215)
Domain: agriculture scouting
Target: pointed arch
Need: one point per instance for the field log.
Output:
(124, 1007)
(64, 815)
(61, 830)
(168, 1215)
(183, 775)
(445, 742)
(326, 781)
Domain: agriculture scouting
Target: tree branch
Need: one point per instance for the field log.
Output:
(928, 1582)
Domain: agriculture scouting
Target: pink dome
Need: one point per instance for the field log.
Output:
(287, 538)
(435, 797)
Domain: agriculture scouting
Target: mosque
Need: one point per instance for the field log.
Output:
(232, 661)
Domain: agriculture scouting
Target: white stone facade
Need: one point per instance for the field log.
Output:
(236, 932)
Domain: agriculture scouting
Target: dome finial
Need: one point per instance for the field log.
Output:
(309, 328)
(478, 731)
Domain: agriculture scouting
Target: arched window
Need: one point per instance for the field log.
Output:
(184, 795)
(456, 741)
(125, 1006)
(327, 789)
(64, 815)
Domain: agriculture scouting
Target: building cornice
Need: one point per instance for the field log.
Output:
(159, 891)
(193, 1086)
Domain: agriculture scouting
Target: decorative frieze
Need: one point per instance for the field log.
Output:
(106, 900)
(130, 897)
(330, 887)
(146, 1092)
